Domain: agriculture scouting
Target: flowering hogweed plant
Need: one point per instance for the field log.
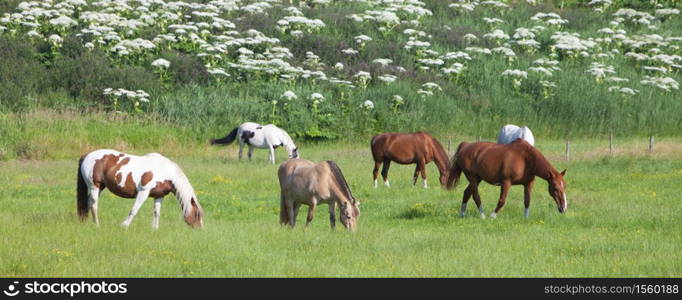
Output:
(231, 39)
(136, 98)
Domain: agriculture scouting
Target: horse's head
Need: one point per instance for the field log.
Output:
(443, 178)
(195, 215)
(294, 153)
(557, 188)
(350, 211)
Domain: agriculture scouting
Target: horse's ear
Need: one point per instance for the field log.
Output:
(563, 172)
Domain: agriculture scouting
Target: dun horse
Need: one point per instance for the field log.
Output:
(139, 177)
(408, 148)
(304, 182)
(504, 165)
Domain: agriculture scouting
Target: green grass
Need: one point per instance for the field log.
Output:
(623, 220)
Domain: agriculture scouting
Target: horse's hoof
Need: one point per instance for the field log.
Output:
(482, 216)
(493, 215)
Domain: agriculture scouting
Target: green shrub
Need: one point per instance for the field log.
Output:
(87, 75)
(21, 74)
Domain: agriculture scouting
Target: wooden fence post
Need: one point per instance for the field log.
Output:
(449, 142)
(568, 150)
(611, 143)
(651, 144)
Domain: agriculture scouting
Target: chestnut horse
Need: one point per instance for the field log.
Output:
(304, 182)
(139, 177)
(408, 148)
(504, 165)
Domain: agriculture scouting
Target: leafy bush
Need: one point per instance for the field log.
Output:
(21, 74)
(87, 75)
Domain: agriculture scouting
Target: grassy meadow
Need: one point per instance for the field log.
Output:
(622, 220)
(166, 76)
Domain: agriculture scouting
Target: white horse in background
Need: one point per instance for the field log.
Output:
(260, 136)
(510, 133)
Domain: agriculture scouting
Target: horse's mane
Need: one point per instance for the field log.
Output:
(289, 141)
(341, 180)
(183, 190)
(441, 155)
(541, 164)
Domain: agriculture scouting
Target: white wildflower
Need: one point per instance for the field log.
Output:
(382, 61)
(665, 83)
(161, 63)
(289, 95)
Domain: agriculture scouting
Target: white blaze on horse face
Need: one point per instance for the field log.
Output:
(565, 205)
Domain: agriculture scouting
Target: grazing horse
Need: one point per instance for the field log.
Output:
(304, 182)
(504, 165)
(139, 177)
(256, 135)
(408, 148)
(510, 133)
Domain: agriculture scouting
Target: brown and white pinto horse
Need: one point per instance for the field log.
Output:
(304, 182)
(408, 148)
(504, 165)
(139, 177)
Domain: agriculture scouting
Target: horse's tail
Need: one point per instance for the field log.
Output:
(341, 180)
(283, 214)
(455, 170)
(227, 139)
(82, 193)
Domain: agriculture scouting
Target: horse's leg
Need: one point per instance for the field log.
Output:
(465, 199)
(139, 199)
(473, 182)
(311, 212)
(384, 172)
(272, 154)
(157, 212)
(241, 149)
(527, 189)
(375, 173)
(416, 174)
(92, 202)
(290, 212)
(504, 189)
(332, 214)
(422, 167)
(250, 153)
